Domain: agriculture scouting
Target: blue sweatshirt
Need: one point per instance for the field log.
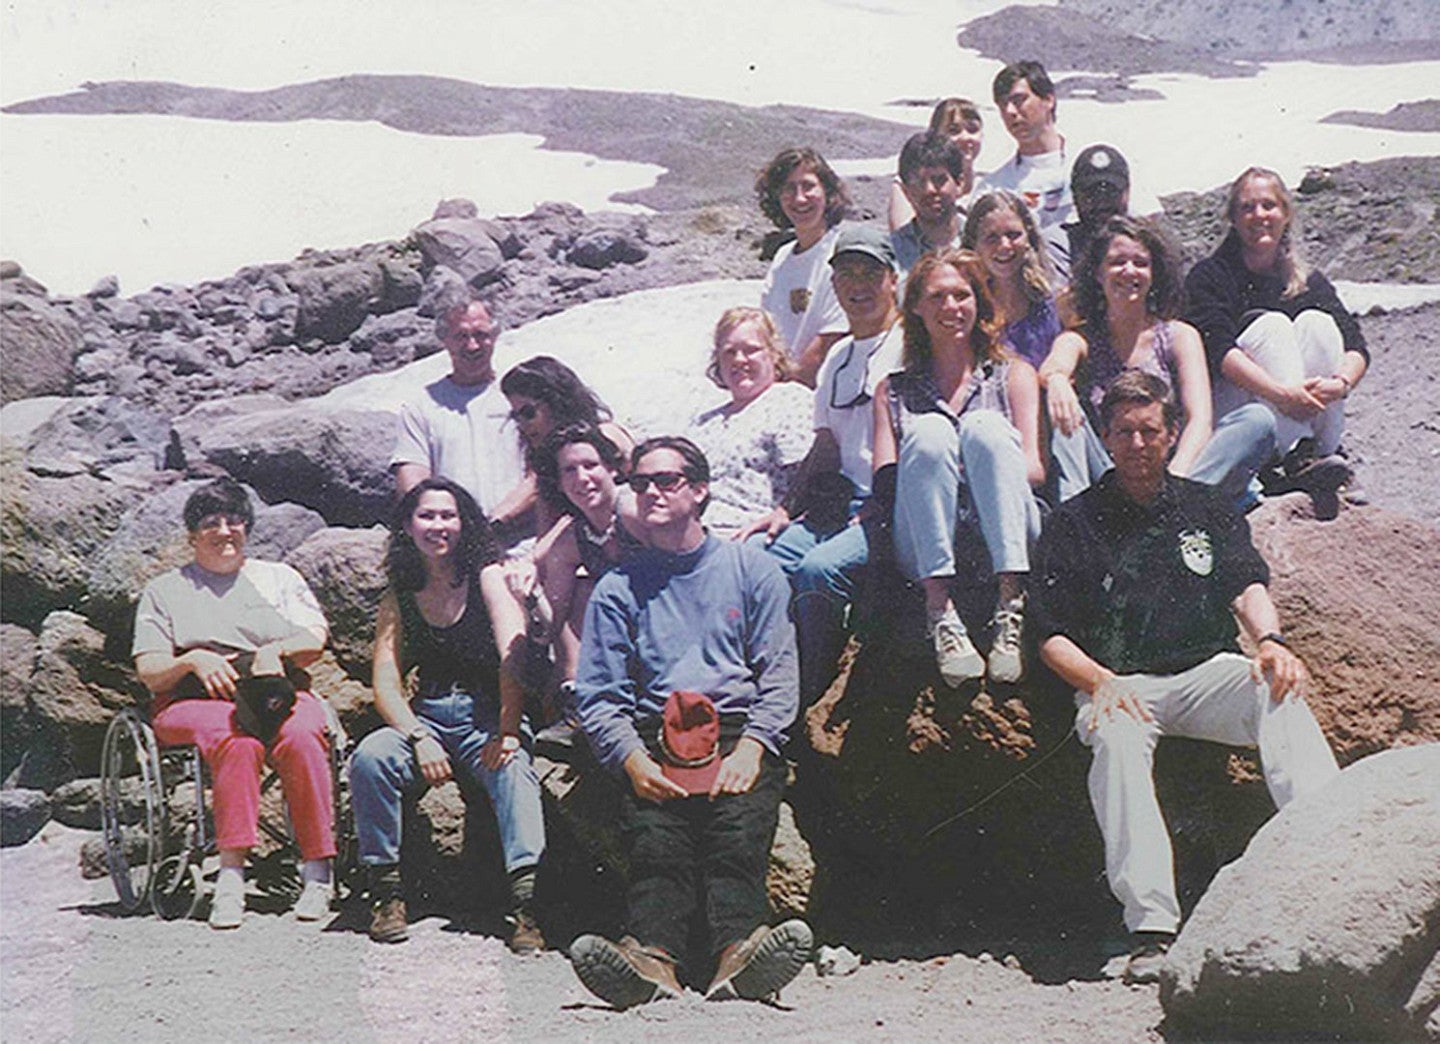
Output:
(713, 620)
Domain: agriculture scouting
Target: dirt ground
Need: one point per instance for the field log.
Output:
(74, 970)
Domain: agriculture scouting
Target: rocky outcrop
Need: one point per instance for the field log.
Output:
(1330, 923)
(41, 341)
(345, 569)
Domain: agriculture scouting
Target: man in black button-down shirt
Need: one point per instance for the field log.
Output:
(1139, 584)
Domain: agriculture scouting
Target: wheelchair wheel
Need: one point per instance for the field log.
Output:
(178, 887)
(132, 807)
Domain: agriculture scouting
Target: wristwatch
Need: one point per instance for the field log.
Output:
(1273, 636)
(418, 733)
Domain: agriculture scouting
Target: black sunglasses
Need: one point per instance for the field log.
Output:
(525, 413)
(664, 481)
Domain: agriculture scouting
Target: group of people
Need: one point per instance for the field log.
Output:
(1015, 386)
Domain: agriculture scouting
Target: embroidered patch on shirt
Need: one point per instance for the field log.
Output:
(799, 299)
(1195, 551)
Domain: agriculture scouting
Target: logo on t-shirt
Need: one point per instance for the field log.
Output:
(1196, 553)
(800, 299)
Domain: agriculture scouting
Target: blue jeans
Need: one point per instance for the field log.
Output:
(1241, 444)
(933, 452)
(383, 771)
(823, 567)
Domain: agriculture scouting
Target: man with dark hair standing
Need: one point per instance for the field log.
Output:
(1140, 581)
(932, 169)
(1100, 185)
(459, 427)
(686, 685)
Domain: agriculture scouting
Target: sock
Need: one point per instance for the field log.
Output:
(315, 870)
(385, 882)
(231, 879)
(522, 888)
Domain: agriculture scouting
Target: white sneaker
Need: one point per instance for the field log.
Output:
(1005, 663)
(954, 654)
(227, 907)
(314, 901)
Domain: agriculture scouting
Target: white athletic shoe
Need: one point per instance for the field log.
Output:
(314, 901)
(1005, 662)
(955, 655)
(227, 907)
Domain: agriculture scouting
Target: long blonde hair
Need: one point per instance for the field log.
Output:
(1289, 263)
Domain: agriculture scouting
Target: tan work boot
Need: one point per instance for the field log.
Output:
(525, 935)
(625, 973)
(761, 965)
(387, 921)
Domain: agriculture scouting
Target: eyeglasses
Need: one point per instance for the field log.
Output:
(525, 413)
(664, 481)
(212, 523)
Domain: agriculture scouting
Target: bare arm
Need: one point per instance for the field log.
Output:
(1023, 390)
(1285, 672)
(823, 456)
(1194, 390)
(507, 620)
(408, 476)
(808, 364)
(390, 700)
(1057, 376)
(884, 451)
(518, 502)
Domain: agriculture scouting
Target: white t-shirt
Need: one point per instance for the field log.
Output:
(798, 294)
(844, 394)
(465, 434)
(752, 453)
(191, 608)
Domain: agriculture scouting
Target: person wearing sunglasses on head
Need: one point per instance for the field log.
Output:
(690, 638)
(545, 394)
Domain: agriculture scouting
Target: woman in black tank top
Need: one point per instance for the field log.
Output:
(448, 616)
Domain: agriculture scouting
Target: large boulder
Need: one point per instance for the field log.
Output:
(22, 814)
(335, 298)
(151, 539)
(468, 246)
(345, 569)
(17, 666)
(334, 461)
(41, 343)
(106, 436)
(1330, 923)
(52, 529)
(1357, 599)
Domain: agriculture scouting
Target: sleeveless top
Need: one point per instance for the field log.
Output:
(1031, 335)
(913, 394)
(591, 545)
(461, 656)
(1102, 366)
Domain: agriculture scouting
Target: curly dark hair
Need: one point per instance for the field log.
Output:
(403, 566)
(548, 380)
(546, 461)
(1166, 296)
(221, 496)
(985, 339)
(771, 180)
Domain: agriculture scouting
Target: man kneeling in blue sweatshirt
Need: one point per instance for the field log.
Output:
(687, 682)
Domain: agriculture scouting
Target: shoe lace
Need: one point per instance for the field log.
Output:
(949, 638)
(1008, 622)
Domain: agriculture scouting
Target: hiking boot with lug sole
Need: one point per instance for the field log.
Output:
(387, 921)
(1005, 663)
(955, 655)
(525, 935)
(761, 965)
(624, 974)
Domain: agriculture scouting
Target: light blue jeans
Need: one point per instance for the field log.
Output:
(1241, 444)
(823, 568)
(383, 771)
(927, 493)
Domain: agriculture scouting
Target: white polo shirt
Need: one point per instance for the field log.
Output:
(844, 398)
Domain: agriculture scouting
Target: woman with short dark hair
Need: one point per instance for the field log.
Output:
(200, 630)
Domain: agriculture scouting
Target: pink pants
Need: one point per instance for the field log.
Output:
(300, 754)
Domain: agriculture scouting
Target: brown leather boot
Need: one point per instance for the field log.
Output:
(759, 966)
(625, 973)
(387, 921)
(525, 935)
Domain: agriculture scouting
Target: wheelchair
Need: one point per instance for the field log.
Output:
(159, 843)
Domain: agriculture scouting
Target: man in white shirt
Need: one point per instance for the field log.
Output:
(820, 532)
(459, 427)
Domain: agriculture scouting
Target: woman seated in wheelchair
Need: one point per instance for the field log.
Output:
(450, 614)
(201, 632)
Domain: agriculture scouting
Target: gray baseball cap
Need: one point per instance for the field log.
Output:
(864, 239)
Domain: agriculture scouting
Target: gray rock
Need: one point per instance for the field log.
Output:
(332, 461)
(403, 283)
(345, 570)
(77, 804)
(1329, 924)
(52, 529)
(393, 340)
(466, 246)
(443, 288)
(605, 247)
(17, 666)
(95, 434)
(106, 286)
(41, 343)
(22, 814)
(334, 299)
(76, 689)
